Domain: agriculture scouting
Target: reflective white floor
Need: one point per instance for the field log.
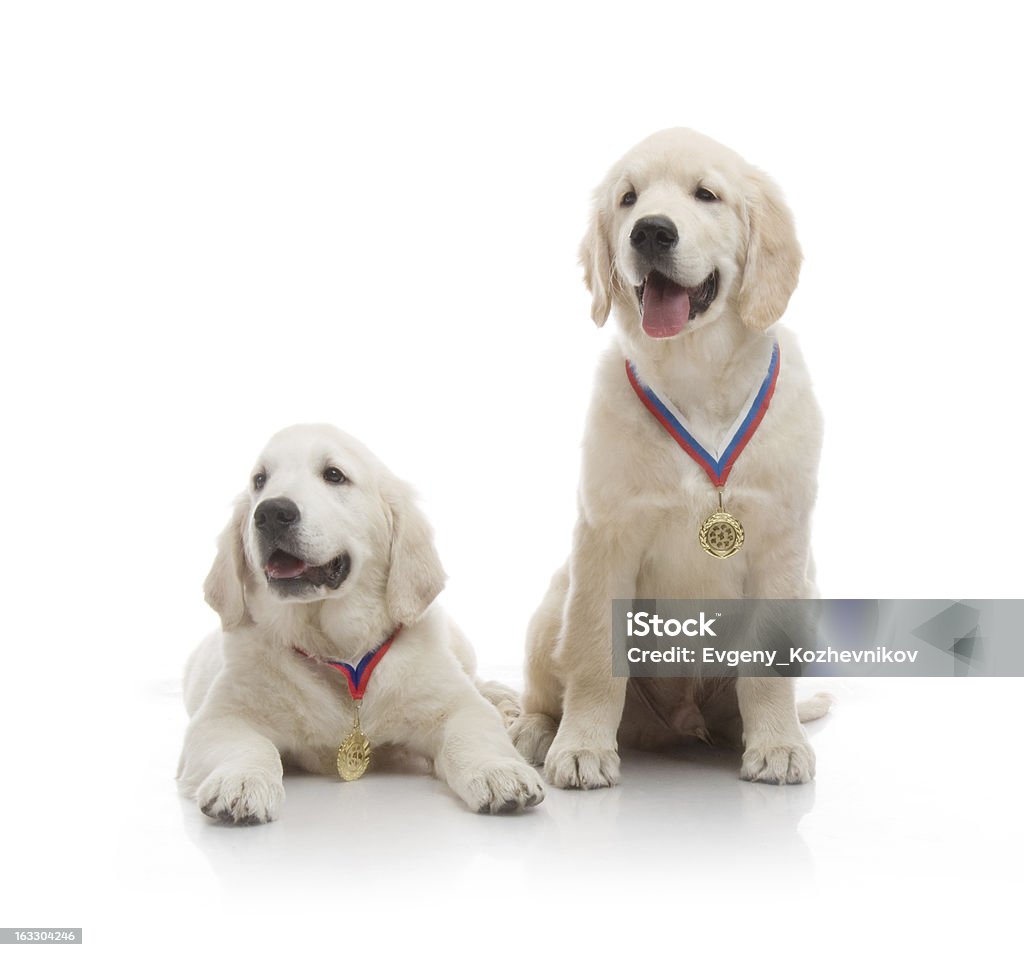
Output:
(911, 833)
(910, 838)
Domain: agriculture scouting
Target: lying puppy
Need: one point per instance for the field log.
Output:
(325, 580)
(694, 252)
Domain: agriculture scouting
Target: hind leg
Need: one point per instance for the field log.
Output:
(504, 698)
(534, 730)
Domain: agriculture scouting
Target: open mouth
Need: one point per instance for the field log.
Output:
(284, 569)
(666, 307)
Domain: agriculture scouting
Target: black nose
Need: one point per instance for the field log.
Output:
(653, 235)
(275, 513)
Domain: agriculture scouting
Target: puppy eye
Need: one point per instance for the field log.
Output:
(705, 195)
(628, 198)
(334, 476)
(259, 480)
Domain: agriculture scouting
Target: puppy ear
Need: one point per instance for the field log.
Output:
(772, 266)
(224, 588)
(415, 575)
(596, 259)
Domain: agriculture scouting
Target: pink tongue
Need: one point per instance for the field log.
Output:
(666, 307)
(283, 565)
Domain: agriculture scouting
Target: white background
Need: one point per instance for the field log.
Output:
(218, 219)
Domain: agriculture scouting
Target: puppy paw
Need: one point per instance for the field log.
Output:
(504, 787)
(532, 735)
(778, 761)
(585, 768)
(241, 797)
(503, 698)
(508, 709)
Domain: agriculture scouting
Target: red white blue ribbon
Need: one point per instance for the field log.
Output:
(357, 675)
(716, 462)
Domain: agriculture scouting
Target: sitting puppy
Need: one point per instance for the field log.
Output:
(324, 581)
(691, 486)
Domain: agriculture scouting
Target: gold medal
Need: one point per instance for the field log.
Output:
(721, 535)
(354, 752)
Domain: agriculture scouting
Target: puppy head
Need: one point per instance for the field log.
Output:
(323, 520)
(684, 231)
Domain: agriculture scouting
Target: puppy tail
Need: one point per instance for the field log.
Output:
(815, 707)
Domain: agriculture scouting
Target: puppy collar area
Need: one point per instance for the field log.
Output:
(717, 463)
(357, 675)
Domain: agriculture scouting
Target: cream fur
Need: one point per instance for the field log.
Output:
(641, 499)
(256, 704)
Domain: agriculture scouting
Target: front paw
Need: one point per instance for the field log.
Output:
(502, 787)
(583, 768)
(241, 797)
(778, 760)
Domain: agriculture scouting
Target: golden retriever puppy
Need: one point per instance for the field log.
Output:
(325, 580)
(694, 253)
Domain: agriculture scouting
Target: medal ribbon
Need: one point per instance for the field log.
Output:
(717, 466)
(358, 675)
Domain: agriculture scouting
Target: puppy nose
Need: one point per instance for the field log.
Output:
(654, 234)
(275, 513)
